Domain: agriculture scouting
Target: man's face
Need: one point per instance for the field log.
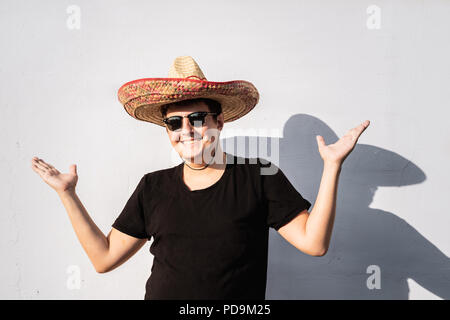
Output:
(194, 143)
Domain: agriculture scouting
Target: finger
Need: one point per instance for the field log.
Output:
(352, 133)
(34, 167)
(38, 169)
(363, 126)
(50, 166)
(357, 131)
(73, 169)
(40, 166)
(320, 141)
(44, 164)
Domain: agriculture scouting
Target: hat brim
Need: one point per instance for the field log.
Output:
(143, 98)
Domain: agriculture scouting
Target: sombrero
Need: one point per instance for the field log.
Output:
(143, 98)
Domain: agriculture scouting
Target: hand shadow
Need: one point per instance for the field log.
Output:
(362, 236)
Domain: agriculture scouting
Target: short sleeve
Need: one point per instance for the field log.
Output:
(282, 200)
(132, 220)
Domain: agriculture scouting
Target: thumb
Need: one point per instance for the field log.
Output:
(73, 169)
(320, 141)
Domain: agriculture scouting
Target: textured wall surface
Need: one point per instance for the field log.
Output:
(321, 67)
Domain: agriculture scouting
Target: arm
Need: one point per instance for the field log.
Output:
(105, 253)
(311, 232)
(319, 224)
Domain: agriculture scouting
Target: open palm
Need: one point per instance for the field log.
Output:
(60, 182)
(338, 152)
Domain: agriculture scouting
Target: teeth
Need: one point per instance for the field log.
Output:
(190, 141)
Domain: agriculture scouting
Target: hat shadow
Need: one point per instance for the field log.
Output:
(366, 242)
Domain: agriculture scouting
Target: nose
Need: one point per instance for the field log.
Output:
(186, 125)
(186, 129)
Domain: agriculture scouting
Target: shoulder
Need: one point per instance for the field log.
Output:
(158, 177)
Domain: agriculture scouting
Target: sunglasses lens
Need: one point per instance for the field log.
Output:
(174, 123)
(197, 118)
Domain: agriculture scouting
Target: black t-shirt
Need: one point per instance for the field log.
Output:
(210, 243)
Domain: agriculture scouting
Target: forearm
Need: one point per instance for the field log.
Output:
(321, 218)
(92, 239)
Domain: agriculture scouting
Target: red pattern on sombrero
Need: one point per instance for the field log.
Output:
(142, 98)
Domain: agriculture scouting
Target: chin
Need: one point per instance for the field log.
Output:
(190, 154)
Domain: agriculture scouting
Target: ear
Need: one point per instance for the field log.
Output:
(220, 121)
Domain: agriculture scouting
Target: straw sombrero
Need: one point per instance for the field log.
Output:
(143, 98)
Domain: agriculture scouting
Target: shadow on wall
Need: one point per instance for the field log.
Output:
(364, 239)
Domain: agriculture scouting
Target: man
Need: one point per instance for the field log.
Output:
(208, 216)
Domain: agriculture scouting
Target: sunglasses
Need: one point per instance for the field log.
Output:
(196, 119)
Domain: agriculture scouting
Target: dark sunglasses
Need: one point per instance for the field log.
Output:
(196, 119)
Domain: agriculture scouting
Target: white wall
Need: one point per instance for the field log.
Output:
(319, 68)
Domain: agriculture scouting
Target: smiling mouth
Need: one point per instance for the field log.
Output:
(190, 141)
